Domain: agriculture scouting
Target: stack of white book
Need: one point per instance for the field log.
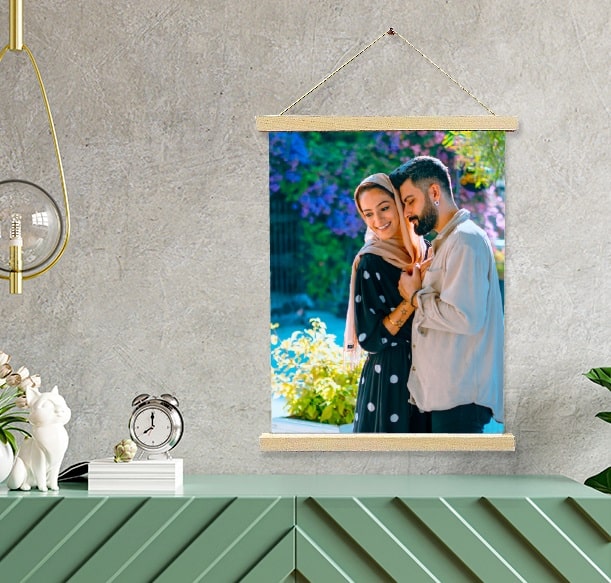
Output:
(135, 476)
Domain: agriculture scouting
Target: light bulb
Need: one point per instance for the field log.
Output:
(29, 214)
(15, 229)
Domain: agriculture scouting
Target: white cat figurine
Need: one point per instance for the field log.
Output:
(40, 456)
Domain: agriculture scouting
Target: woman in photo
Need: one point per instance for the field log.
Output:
(379, 320)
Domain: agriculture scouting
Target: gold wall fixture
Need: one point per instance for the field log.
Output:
(15, 25)
(33, 232)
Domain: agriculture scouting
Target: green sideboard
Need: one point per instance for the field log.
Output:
(261, 528)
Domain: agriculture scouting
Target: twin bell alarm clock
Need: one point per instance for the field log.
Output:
(156, 424)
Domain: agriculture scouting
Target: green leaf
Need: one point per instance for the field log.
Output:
(6, 409)
(601, 482)
(310, 412)
(12, 442)
(21, 430)
(16, 418)
(326, 413)
(8, 437)
(601, 376)
(605, 416)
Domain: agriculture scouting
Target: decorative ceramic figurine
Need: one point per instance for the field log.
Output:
(125, 451)
(40, 456)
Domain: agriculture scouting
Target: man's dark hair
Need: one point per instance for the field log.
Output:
(422, 171)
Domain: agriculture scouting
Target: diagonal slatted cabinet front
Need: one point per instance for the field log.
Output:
(135, 538)
(235, 542)
(322, 529)
(573, 547)
(148, 539)
(375, 539)
(456, 539)
(54, 544)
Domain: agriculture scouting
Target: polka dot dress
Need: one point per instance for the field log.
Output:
(382, 400)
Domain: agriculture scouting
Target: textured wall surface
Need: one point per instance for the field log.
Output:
(164, 287)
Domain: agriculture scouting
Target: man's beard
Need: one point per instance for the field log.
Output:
(428, 219)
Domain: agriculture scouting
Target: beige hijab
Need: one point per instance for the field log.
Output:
(402, 253)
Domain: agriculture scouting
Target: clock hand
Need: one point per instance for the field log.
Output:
(152, 418)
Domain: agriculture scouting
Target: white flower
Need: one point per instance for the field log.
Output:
(5, 370)
(13, 380)
(32, 382)
(16, 378)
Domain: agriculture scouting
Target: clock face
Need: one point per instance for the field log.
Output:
(154, 426)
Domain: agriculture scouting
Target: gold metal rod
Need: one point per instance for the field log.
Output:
(59, 164)
(15, 25)
(60, 168)
(16, 265)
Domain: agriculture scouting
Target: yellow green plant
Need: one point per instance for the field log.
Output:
(309, 371)
(481, 154)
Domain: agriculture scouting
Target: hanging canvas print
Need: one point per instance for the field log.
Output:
(387, 264)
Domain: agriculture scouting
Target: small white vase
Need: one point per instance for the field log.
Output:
(6, 460)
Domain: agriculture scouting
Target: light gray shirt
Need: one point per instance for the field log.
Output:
(457, 334)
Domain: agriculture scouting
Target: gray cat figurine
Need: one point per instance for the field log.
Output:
(40, 456)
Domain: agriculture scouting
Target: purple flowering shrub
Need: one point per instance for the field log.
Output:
(317, 173)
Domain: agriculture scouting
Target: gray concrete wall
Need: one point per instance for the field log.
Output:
(164, 286)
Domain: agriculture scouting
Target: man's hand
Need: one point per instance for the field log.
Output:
(410, 283)
(424, 265)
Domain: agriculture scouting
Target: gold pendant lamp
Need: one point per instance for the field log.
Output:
(33, 232)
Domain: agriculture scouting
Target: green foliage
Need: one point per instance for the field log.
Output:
(601, 376)
(309, 371)
(328, 258)
(480, 154)
(10, 416)
(601, 481)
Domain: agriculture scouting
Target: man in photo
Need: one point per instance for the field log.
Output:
(457, 336)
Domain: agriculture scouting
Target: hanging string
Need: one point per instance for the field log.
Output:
(336, 71)
(440, 69)
(389, 32)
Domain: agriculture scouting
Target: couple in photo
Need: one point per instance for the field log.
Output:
(428, 315)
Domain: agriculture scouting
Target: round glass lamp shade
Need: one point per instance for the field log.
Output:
(26, 207)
